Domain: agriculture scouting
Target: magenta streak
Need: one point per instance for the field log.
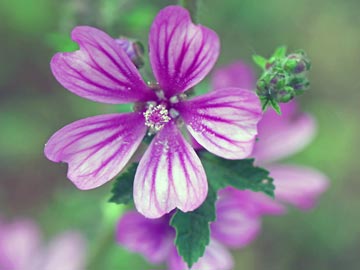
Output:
(90, 82)
(97, 147)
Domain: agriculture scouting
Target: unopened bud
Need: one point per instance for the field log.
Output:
(283, 78)
(134, 49)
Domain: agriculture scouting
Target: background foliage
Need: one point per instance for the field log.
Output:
(33, 105)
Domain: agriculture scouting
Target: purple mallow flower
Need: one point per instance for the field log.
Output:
(170, 173)
(238, 212)
(21, 248)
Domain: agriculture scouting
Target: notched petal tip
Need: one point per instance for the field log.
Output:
(181, 53)
(96, 148)
(170, 175)
(100, 71)
(224, 121)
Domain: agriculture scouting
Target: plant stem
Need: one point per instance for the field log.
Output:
(192, 7)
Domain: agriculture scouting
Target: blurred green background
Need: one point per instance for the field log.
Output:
(33, 106)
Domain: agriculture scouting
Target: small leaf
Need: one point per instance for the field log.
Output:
(280, 52)
(259, 60)
(193, 230)
(240, 174)
(122, 191)
(275, 106)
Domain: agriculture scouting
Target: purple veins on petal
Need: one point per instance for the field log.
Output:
(224, 121)
(181, 53)
(169, 175)
(100, 71)
(96, 148)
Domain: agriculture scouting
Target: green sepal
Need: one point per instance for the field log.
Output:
(122, 191)
(259, 61)
(280, 52)
(193, 229)
(275, 105)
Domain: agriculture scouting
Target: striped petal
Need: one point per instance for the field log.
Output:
(153, 238)
(223, 121)
(100, 71)
(181, 53)
(169, 175)
(299, 186)
(96, 148)
(283, 135)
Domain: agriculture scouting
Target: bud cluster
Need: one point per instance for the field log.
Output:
(283, 78)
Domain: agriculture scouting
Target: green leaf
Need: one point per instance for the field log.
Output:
(193, 229)
(275, 106)
(122, 191)
(240, 174)
(280, 52)
(260, 61)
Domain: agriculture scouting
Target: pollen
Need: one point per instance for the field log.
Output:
(156, 117)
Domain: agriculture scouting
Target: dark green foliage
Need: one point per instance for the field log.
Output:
(193, 230)
(122, 191)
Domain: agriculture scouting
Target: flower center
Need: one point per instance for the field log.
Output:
(156, 117)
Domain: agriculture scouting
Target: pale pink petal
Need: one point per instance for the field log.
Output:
(216, 257)
(181, 53)
(237, 74)
(100, 71)
(237, 221)
(300, 186)
(153, 238)
(66, 251)
(96, 148)
(283, 135)
(169, 175)
(20, 245)
(223, 121)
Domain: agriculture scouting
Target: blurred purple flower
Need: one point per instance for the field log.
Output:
(237, 224)
(21, 249)
(281, 136)
(170, 173)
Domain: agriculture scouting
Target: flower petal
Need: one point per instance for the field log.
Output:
(223, 121)
(237, 224)
(181, 53)
(100, 71)
(216, 257)
(169, 175)
(153, 238)
(300, 186)
(96, 148)
(237, 74)
(20, 245)
(283, 135)
(66, 251)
